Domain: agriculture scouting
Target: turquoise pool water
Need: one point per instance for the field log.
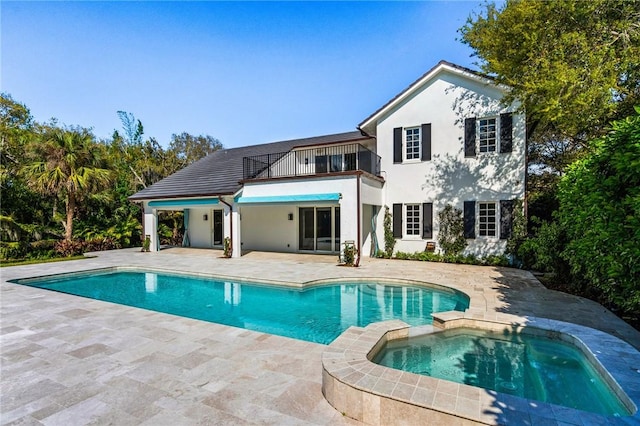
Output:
(531, 367)
(317, 314)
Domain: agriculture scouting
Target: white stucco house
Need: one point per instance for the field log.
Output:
(446, 139)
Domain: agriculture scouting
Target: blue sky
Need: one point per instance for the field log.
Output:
(243, 72)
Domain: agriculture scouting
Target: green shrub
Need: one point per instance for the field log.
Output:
(42, 249)
(518, 230)
(389, 239)
(13, 250)
(101, 244)
(542, 252)
(68, 248)
(600, 213)
(456, 258)
(451, 234)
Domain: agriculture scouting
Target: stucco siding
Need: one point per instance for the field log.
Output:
(450, 177)
(268, 228)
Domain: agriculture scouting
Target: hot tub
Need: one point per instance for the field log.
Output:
(376, 394)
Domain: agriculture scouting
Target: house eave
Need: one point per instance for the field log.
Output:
(179, 197)
(368, 125)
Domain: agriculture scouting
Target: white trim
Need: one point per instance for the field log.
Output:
(417, 86)
(405, 144)
(405, 215)
(496, 216)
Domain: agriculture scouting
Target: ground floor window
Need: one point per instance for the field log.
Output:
(319, 229)
(487, 219)
(412, 219)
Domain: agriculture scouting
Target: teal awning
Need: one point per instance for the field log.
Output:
(300, 198)
(186, 202)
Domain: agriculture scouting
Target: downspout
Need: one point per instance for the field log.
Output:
(359, 218)
(230, 223)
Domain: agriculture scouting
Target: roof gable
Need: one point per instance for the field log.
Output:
(368, 125)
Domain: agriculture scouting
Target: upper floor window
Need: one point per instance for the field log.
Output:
(413, 219)
(412, 143)
(487, 134)
(487, 219)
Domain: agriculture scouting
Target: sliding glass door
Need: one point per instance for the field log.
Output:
(319, 229)
(307, 228)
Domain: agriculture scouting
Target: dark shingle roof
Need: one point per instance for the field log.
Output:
(219, 173)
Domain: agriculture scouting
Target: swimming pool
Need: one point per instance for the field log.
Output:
(317, 314)
(530, 366)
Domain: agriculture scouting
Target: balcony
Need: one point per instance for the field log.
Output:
(311, 162)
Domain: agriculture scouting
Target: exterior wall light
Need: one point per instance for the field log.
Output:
(205, 217)
(290, 216)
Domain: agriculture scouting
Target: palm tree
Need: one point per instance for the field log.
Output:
(67, 165)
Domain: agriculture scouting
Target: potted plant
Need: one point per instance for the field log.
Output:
(146, 244)
(227, 247)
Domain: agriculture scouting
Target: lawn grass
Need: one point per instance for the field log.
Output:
(5, 263)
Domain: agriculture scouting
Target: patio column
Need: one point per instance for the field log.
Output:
(151, 227)
(236, 234)
(349, 215)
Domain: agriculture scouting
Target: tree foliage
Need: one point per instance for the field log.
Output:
(133, 128)
(600, 212)
(572, 64)
(188, 148)
(60, 182)
(66, 164)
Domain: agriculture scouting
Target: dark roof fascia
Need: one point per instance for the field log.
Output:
(419, 80)
(178, 197)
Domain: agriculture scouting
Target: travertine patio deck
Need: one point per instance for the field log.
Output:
(68, 360)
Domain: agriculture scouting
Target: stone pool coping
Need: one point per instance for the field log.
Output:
(169, 358)
(255, 282)
(374, 394)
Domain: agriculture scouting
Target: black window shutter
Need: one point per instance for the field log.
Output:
(506, 132)
(469, 219)
(506, 218)
(470, 137)
(397, 220)
(427, 220)
(397, 145)
(426, 142)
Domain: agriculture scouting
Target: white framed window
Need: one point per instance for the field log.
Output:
(412, 219)
(412, 143)
(487, 135)
(487, 219)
